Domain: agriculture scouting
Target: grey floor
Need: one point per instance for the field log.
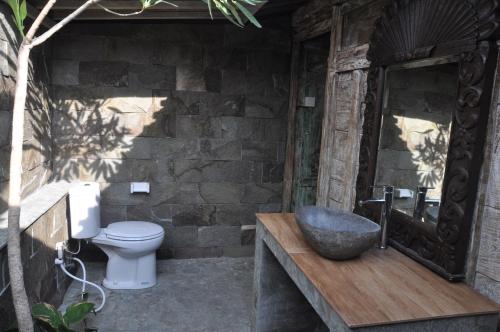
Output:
(192, 295)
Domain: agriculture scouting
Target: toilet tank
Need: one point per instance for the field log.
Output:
(85, 212)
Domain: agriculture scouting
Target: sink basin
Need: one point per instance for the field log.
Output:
(336, 234)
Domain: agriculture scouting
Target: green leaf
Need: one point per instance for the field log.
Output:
(23, 11)
(48, 314)
(77, 312)
(248, 15)
(19, 13)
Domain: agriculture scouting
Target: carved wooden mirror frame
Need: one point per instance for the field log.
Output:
(412, 30)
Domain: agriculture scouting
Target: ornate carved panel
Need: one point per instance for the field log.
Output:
(417, 29)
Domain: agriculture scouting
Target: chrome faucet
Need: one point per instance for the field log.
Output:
(418, 210)
(385, 215)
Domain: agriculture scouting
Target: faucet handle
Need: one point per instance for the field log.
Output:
(424, 188)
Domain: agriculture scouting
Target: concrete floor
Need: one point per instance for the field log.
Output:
(192, 295)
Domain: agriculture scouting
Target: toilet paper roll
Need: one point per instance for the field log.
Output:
(85, 213)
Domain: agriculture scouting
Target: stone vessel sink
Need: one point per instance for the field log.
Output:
(336, 234)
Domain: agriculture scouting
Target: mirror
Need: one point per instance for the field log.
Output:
(417, 113)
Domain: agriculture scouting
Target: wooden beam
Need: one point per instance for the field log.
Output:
(181, 9)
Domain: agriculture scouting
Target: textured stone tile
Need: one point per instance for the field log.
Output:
(195, 252)
(4, 61)
(220, 193)
(132, 51)
(176, 193)
(184, 103)
(141, 169)
(259, 150)
(212, 294)
(140, 212)
(189, 126)
(5, 124)
(268, 61)
(272, 172)
(213, 79)
(223, 105)
(243, 128)
(248, 235)
(152, 76)
(104, 73)
(176, 148)
(234, 215)
(86, 48)
(65, 72)
(218, 236)
(262, 193)
(190, 78)
(239, 251)
(182, 54)
(225, 58)
(270, 208)
(216, 171)
(7, 85)
(180, 237)
(119, 194)
(113, 213)
(193, 215)
(233, 82)
(219, 149)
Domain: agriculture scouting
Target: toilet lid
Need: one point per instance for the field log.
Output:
(133, 230)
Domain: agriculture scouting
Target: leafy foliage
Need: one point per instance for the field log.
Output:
(49, 319)
(231, 9)
(234, 10)
(19, 12)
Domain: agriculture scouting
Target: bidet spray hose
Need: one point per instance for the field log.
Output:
(84, 272)
(63, 268)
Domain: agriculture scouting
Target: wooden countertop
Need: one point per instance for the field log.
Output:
(380, 287)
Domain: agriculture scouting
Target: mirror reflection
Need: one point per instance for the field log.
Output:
(415, 134)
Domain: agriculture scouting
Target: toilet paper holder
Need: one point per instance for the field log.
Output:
(139, 188)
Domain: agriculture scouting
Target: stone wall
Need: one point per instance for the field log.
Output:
(196, 109)
(44, 281)
(37, 136)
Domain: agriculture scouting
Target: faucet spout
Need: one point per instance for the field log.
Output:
(385, 214)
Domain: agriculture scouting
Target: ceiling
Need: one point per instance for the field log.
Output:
(185, 10)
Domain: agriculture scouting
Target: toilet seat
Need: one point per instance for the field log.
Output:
(133, 231)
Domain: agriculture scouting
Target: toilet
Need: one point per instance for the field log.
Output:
(130, 245)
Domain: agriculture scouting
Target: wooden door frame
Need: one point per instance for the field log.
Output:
(304, 33)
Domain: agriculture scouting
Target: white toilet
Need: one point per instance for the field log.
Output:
(130, 245)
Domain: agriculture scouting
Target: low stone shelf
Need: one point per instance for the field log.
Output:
(295, 289)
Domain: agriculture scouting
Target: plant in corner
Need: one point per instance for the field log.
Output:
(48, 319)
(234, 10)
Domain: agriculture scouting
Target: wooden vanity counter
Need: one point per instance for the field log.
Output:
(381, 288)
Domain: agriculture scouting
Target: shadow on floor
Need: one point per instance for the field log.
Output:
(192, 295)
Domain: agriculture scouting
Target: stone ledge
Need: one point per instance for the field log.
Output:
(34, 206)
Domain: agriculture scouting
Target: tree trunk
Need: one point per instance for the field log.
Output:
(19, 296)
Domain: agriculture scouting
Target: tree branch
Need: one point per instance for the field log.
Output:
(39, 19)
(47, 34)
(121, 14)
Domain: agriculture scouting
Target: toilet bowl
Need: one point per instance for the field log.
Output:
(131, 249)
(130, 245)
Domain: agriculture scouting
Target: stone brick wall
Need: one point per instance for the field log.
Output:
(44, 281)
(196, 109)
(37, 136)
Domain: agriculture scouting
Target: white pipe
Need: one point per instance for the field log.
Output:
(84, 272)
(63, 268)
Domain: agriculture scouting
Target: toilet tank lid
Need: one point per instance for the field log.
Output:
(133, 230)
